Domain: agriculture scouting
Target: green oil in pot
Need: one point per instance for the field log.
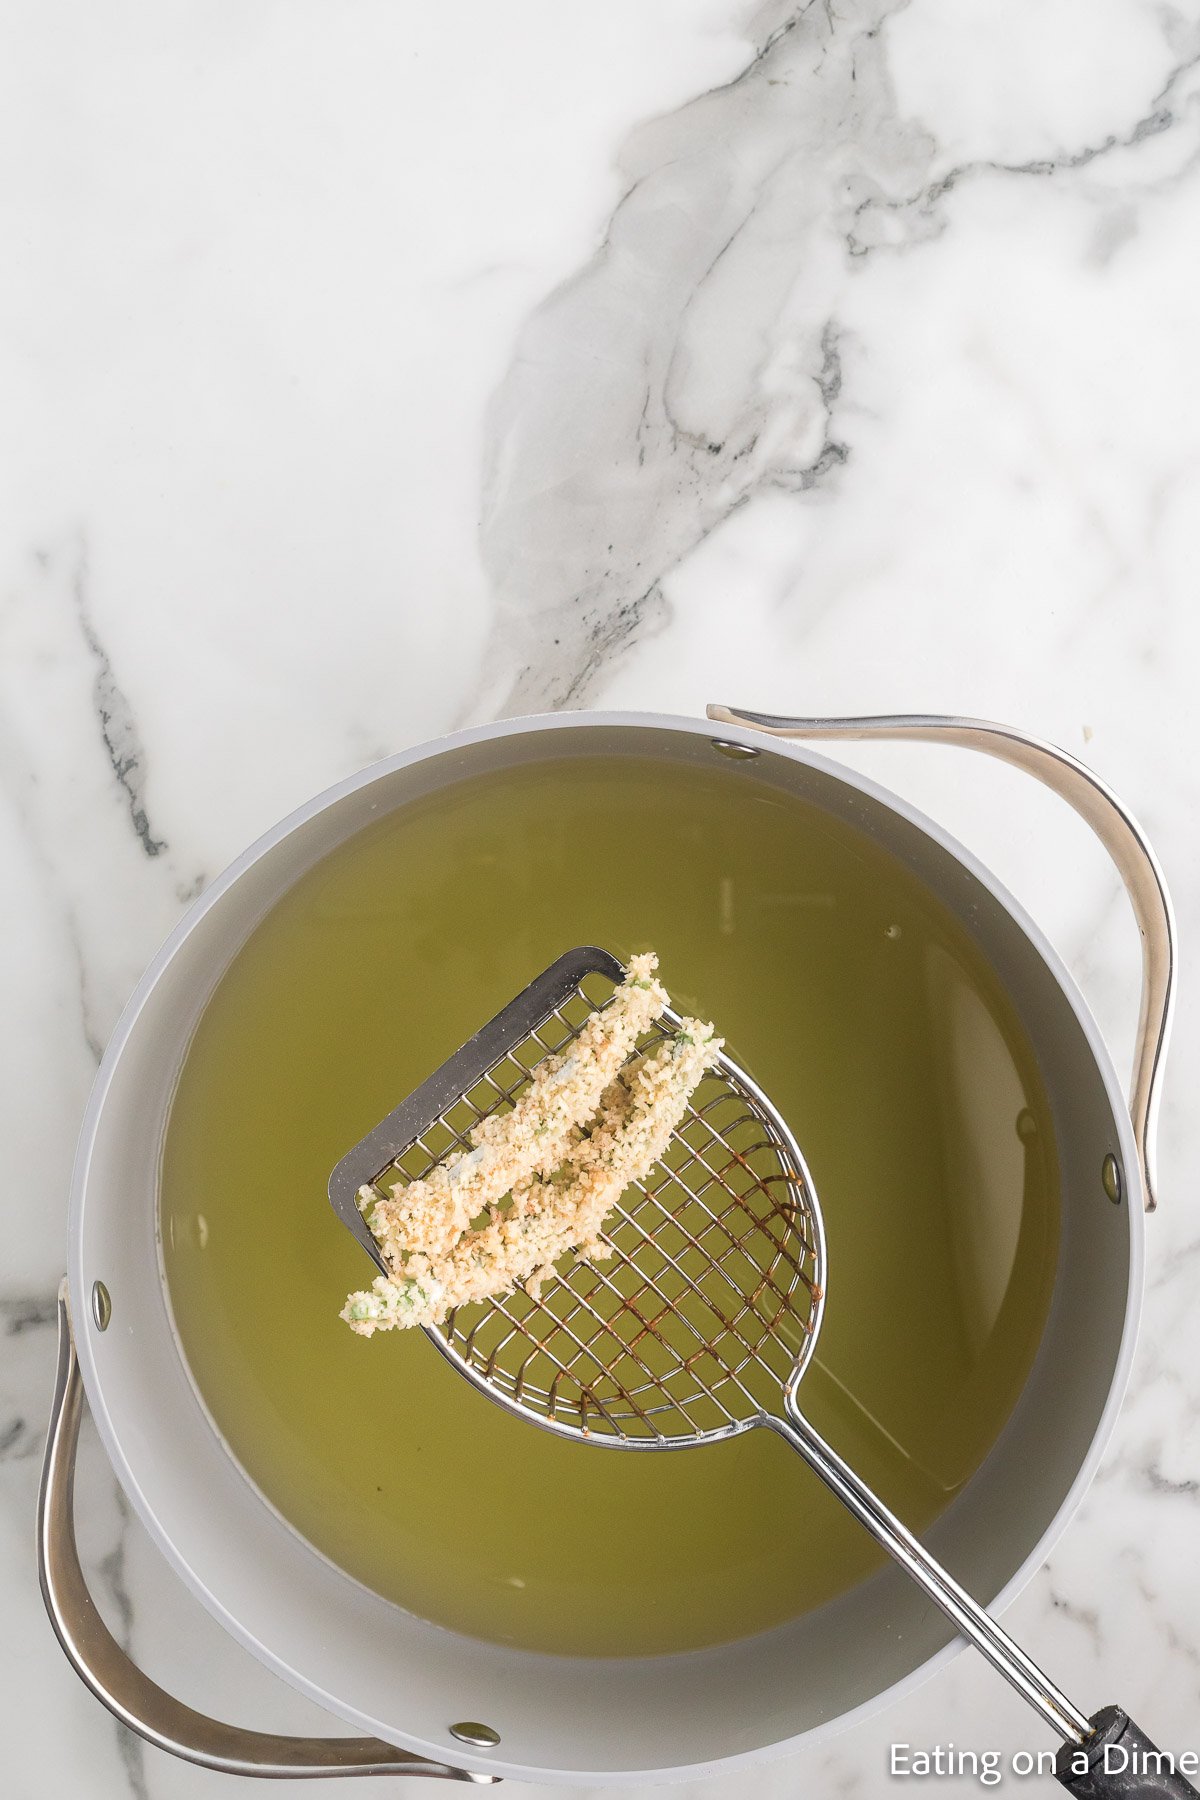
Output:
(849, 992)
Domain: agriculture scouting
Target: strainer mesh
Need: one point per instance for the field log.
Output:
(710, 1298)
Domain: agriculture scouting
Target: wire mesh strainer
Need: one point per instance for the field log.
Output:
(704, 1319)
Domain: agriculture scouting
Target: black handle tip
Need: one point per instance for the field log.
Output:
(1119, 1762)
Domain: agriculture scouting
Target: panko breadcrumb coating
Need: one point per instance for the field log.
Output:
(427, 1218)
(618, 1128)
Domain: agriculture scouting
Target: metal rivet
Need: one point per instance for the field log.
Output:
(1110, 1176)
(468, 1731)
(101, 1305)
(739, 752)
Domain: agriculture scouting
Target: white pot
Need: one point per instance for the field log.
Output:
(560, 1719)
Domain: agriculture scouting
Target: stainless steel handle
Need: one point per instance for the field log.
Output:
(965, 1613)
(1112, 823)
(120, 1685)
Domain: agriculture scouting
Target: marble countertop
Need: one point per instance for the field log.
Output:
(370, 370)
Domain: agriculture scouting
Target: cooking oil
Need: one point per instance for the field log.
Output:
(848, 991)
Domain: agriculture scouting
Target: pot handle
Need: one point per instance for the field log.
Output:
(120, 1685)
(1112, 823)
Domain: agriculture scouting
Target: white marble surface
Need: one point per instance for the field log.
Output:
(373, 368)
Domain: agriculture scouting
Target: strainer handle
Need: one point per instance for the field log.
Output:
(120, 1685)
(1103, 1779)
(963, 1611)
(1112, 823)
(1119, 1762)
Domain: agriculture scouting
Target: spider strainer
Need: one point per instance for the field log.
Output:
(704, 1319)
(718, 1269)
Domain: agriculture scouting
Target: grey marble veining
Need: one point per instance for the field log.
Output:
(693, 362)
(366, 378)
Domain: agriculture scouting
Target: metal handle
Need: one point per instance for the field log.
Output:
(120, 1685)
(1115, 1750)
(964, 1612)
(1112, 823)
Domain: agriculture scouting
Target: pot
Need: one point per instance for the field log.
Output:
(437, 1703)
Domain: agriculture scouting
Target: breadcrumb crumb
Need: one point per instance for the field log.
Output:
(592, 1121)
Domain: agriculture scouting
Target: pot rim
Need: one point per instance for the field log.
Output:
(434, 747)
